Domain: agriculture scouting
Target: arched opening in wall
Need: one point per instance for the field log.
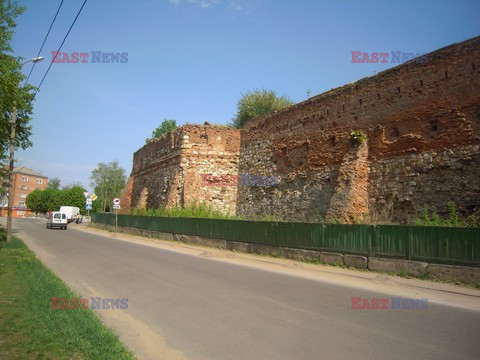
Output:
(434, 125)
(473, 67)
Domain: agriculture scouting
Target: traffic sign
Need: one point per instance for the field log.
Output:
(88, 201)
(116, 207)
(116, 201)
(88, 206)
(93, 197)
(85, 194)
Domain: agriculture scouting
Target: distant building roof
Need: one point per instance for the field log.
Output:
(27, 171)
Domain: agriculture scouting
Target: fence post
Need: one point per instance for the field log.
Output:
(372, 239)
(409, 244)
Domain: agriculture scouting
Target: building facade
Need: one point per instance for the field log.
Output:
(25, 181)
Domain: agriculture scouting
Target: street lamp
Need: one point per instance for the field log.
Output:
(12, 152)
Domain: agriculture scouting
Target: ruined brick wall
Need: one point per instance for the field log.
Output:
(423, 127)
(167, 171)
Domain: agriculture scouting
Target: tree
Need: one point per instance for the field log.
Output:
(74, 197)
(108, 181)
(43, 201)
(34, 201)
(12, 94)
(163, 128)
(72, 185)
(257, 103)
(54, 183)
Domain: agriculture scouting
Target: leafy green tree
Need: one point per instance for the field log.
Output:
(166, 126)
(12, 94)
(54, 183)
(257, 103)
(74, 197)
(34, 201)
(108, 181)
(72, 185)
(43, 201)
(49, 200)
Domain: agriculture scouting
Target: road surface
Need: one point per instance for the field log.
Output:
(212, 304)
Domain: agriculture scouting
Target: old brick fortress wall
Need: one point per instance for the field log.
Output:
(167, 171)
(423, 127)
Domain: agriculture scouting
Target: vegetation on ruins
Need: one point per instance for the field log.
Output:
(430, 217)
(358, 136)
(200, 210)
(166, 126)
(257, 103)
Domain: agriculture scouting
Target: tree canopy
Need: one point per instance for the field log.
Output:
(108, 181)
(12, 94)
(54, 183)
(257, 103)
(43, 201)
(166, 126)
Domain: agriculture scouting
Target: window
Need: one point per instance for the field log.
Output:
(39, 181)
(24, 187)
(23, 196)
(21, 203)
(24, 178)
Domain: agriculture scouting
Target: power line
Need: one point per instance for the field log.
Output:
(65, 38)
(46, 36)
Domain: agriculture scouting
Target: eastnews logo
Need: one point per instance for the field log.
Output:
(97, 303)
(382, 57)
(97, 57)
(396, 303)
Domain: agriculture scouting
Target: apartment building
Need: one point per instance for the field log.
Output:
(25, 180)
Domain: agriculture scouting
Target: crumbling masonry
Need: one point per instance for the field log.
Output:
(422, 123)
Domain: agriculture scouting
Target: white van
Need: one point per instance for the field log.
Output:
(57, 219)
(71, 212)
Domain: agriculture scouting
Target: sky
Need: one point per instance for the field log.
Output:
(191, 60)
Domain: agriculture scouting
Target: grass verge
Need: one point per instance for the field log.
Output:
(31, 329)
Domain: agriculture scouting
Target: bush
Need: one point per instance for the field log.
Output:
(431, 218)
(358, 137)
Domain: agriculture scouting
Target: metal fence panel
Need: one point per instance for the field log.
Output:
(391, 241)
(433, 244)
(446, 245)
(345, 238)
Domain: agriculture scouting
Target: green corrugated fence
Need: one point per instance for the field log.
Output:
(444, 245)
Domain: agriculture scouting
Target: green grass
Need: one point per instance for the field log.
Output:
(201, 210)
(31, 329)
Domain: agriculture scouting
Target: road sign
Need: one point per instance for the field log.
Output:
(88, 206)
(88, 201)
(116, 207)
(93, 197)
(85, 194)
(116, 201)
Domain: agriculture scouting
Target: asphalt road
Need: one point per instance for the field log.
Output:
(209, 309)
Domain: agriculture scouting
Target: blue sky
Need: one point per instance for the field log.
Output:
(191, 60)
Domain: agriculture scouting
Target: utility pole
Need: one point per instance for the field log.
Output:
(10, 173)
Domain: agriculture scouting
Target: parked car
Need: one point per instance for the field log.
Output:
(71, 212)
(57, 219)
